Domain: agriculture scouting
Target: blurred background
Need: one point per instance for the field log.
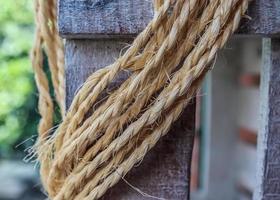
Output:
(18, 114)
(224, 158)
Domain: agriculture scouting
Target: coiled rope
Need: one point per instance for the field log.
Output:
(101, 139)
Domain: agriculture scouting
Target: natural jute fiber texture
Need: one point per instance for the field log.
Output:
(104, 134)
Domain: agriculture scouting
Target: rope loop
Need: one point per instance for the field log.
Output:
(89, 153)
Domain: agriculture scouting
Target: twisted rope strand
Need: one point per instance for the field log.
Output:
(114, 109)
(45, 103)
(141, 151)
(110, 130)
(84, 99)
(144, 119)
(51, 42)
(100, 140)
(88, 137)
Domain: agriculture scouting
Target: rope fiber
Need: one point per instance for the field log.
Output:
(100, 138)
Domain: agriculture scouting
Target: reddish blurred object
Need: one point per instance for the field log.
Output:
(250, 80)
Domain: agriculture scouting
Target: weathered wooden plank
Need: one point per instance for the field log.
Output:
(165, 171)
(123, 18)
(103, 18)
(265, 18)
(268, 171)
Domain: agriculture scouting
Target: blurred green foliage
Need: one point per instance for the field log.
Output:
(18, 115)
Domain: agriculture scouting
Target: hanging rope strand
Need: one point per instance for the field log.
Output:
(99, 141)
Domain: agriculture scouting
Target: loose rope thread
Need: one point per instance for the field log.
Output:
(101, 139)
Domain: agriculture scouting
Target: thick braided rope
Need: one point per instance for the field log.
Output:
(101, 139)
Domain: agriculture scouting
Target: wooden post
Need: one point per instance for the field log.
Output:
(265, 19)
(268, 175)
(124, 18)
(266, 22)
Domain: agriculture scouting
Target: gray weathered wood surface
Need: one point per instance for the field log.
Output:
(268, 174)
(165, 171)
(265, 18)
(103, 18)
(123, 18)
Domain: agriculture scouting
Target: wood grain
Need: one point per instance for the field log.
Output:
(268, 178)
(165, 171)
(103, 18)
(265, 19)
(126, 18)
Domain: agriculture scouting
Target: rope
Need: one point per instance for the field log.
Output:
(101, 139)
